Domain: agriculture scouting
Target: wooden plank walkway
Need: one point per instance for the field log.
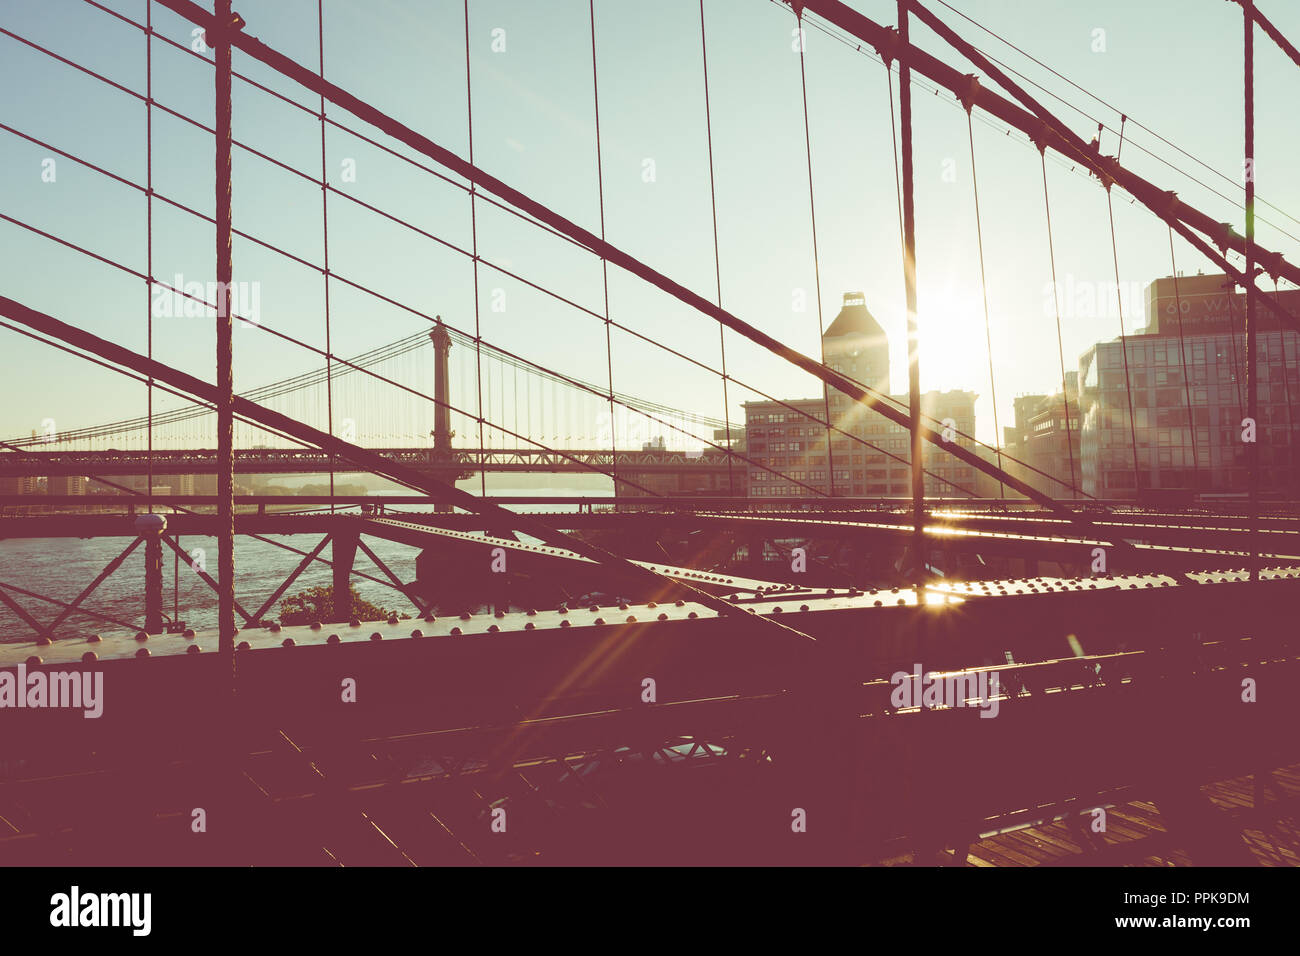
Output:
(1138, 835)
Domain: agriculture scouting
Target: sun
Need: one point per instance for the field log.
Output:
(953, 346)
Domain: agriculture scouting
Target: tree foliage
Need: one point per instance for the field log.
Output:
(316, 605)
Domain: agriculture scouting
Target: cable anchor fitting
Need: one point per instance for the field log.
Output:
(1272, 262)
(1105, 166)
(1038, 135)
(969, 91)
(888, 47)
(1223, 236)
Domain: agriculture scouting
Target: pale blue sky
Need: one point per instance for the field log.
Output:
(1173, 66)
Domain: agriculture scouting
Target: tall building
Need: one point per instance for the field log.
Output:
(1189, 427)
(140, 484)
(789, 446)
(19, 485)
(857, 346)
(65, 485)
(1042, 448)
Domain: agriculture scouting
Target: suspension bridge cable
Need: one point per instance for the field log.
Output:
(1184, 218)
(1123, 344)
(307, 346)
(576, 461)
(1060, 342)
(325, 243)
(919, 565)
(893, 135)
(174, 416)
(1061, 160)
(898, 191)
(1252, 317)
(148, 205)
(1165, 205)
(1276, 35)
(817, 280)
(649, 408)
(473, 219)
(288, 101)
(717, 256)
(592, 389)
(281, 334)
(604, 263)
(1182, 354)
(1124, 116)
(570, 458)
(880, 396)
(984, 289)
(536, 371)
(1237, 377)
(523, 215)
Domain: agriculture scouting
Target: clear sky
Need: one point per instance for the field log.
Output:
(1174, 66)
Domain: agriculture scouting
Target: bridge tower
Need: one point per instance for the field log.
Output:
(441, 419)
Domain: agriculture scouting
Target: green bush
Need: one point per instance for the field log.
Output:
(316, 605)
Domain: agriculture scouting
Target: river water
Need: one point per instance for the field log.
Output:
(60, 568)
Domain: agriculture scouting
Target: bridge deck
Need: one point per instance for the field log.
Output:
(1137, 833)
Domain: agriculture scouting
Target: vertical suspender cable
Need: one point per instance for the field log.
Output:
(717, 259)
(909, 281)
(325, 239)
(1056, 300)
(473, 224)
(1252, 385)
(812, 208)
(893, 135)
(148, 205)
(1187, 385)
(984, 288)
(1123, 343)
(1237, 378)
(604, 263)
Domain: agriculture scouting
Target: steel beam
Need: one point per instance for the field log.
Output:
(1252, 324)
(918, 561)
(218, 35)
(363, 457)
(886, 42)
(369, 114)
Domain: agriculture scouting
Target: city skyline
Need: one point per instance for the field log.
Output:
(491, 433)
(763, 279)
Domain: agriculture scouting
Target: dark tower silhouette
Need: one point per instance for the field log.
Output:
(441, 419)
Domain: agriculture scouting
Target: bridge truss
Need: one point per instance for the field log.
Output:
(789, 664)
